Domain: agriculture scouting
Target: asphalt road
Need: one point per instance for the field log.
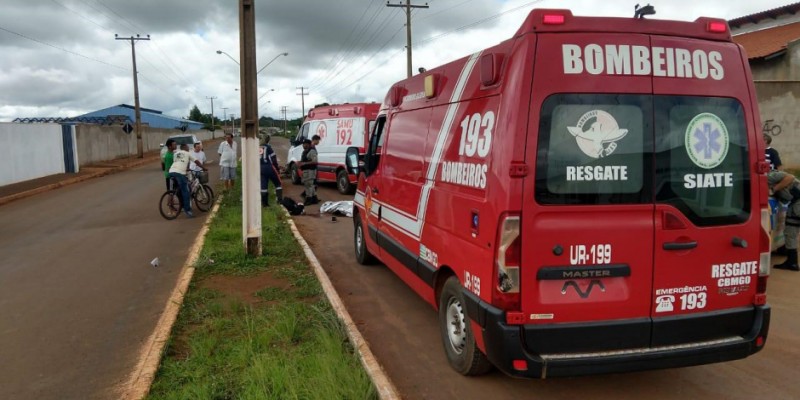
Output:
(78, 296)
(403, 333)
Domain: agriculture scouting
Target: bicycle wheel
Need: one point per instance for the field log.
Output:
(170, 205)
(203, 198)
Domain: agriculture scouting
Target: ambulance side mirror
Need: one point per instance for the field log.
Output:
(354, 165)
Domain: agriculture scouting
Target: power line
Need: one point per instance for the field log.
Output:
(82, 16)
(408, 6)
(62, 49)
(335, 70)
(337, 85)
(478, 22)
(341, 47)
(431, 39)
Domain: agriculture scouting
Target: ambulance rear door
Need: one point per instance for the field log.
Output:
(587, 219)
(706, 236)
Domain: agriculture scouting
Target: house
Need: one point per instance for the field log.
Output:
(771, 40)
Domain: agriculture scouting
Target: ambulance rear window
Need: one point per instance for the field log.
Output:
(702, 158)
(688, 152)
(593, 149)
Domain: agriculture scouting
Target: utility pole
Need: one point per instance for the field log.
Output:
(251, 201)
(213, 127)
(137, 110)
(283, 110)
(303, 93)
(224, 117)
(408, 6)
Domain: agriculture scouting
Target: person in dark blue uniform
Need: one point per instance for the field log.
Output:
(269, 172)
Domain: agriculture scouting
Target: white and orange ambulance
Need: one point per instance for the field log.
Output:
(339, 127)
(588, 196)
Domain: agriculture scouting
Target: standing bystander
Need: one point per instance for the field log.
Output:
(772, 156)
(167, 160)
(200, 155)
(308, 164)
(786, 188)
(227, 160)
(269, 172)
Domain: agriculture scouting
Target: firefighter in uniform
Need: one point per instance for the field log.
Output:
(269, 172)
(308, 164)
(786, 188)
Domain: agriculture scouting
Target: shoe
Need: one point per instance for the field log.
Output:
(791, 261)
(781, 251)
(189, 214)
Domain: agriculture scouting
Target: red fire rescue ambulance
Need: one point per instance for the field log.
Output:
(586, 197)
(339, 127)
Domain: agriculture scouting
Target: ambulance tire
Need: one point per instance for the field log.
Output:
(459, 342)
(363, 256)
(343, 183)
(294, 172)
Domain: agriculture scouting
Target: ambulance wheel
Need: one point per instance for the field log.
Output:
(363, 256)
(459, 342)
(295, 176)
(343, 183)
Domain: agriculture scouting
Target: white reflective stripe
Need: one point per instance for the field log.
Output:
(359, 199)
(400, 222)
(398, 211)
(438, 149)
(374, 208)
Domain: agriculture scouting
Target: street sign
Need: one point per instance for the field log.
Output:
(127, 128)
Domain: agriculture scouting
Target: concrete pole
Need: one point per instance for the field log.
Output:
(137, 109)
(251, 193)
(213, 127)
(408, 6)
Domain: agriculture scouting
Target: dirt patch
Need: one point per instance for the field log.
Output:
(244, 288)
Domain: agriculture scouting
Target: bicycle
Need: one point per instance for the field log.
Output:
(171, 204)
(773, 130)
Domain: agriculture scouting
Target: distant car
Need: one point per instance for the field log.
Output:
(180, 139)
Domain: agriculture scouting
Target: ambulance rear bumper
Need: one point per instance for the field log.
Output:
(506, 349)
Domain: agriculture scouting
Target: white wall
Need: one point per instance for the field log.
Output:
(98, 143)
(30, 151)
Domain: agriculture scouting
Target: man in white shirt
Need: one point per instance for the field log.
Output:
(200, 155)
(227, 160)
(180, 166)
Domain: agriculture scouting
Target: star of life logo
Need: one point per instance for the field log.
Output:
(597, 133)
(322, 130)
(707, 140)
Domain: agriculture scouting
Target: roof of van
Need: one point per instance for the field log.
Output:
(547, 20)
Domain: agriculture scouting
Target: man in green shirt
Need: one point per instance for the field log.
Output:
(168, 160)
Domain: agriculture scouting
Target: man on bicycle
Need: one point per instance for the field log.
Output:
(180, 166)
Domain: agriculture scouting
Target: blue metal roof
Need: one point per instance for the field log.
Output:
(154, 118)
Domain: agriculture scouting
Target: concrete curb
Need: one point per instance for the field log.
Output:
(138, 384)
(72, 181)
(385, 387)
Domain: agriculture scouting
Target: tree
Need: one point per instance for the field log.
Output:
(195, 114)
(322, 105)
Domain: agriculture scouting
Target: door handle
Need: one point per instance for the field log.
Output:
(680, 245)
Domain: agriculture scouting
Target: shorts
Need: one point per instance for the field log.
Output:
(227, 173)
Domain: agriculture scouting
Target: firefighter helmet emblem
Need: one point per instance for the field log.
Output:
(597, 133)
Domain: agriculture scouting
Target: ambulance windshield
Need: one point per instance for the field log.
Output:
(689, 152)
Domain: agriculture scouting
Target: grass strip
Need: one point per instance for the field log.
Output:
(257, 328)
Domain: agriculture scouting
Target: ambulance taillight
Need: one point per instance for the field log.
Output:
(507, 261)
(553, 19)
(764, 262)
(717, 27)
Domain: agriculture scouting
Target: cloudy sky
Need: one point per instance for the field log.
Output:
(59, 57)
